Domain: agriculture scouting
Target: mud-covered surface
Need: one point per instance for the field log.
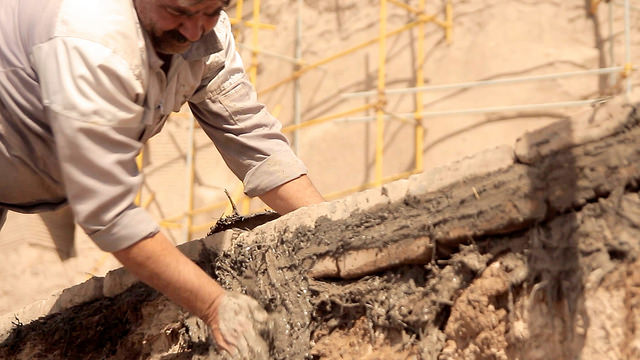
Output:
(90, 331)
(243, 222)
(536, 261)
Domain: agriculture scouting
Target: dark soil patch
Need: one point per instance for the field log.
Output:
(89, 331)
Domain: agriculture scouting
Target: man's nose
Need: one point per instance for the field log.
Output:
(192, 28)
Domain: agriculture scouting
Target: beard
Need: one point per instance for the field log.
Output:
(170, 42)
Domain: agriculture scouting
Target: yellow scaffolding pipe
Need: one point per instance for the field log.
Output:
(191, 153)
(260, 25)
(449, 22)
(419, 128)
(382, 56)
(422, 19)
(139, 163)
(246, 204)
(148, 201)
(338, 55)
(320, 120)
(207, 226)
(253, 69)
(238, 19)
(369, 185)
(407, 7)
(204, 209)
(239, 9)
(170, 224)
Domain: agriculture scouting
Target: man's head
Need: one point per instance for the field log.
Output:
(174, 24)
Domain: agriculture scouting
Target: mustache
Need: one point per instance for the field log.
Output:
(175, 36)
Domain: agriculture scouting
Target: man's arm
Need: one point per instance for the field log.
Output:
(159, 264)
(291, 195)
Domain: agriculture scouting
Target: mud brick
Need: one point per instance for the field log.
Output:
(494, 203)
(325, 267)
(334, 210)
(269, 232)
(367, 199)
(362, 262)
(396, 190)
(191, 249)
(580, 174)
(486, 162)
(117, 281)
(220, 242)
(358, 263)
(307, 216)
(87, 291)
(606, 120)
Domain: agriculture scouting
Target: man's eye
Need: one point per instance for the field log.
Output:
(215, 13)
(174, 12)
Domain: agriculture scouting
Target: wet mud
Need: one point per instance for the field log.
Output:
(243, 222)
(519, 260)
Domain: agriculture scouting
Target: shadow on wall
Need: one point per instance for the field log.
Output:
(557, 294)
(556, 280)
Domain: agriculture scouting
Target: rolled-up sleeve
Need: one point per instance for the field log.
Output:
(249, 139)
(91, 101)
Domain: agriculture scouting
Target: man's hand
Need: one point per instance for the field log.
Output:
(238, 324)
(236, 320)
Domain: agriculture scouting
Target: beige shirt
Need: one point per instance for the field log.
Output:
(81, 90)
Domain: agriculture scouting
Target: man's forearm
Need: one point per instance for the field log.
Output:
(158, 263)
(294, 194)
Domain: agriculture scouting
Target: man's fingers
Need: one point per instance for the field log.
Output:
(240, 323)
(220, 341)
(243, 347)
(258, 313)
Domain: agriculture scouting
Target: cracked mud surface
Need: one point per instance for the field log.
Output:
(539, 261)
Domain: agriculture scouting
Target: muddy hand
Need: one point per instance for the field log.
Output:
(241, 320)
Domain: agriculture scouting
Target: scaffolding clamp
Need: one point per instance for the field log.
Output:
(382, 101)
(627, 70)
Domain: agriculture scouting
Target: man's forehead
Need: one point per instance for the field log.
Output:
(188, 3)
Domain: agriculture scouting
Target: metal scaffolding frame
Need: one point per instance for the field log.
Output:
(185, 219)
(381, 92)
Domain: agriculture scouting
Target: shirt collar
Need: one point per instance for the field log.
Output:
(207, 45)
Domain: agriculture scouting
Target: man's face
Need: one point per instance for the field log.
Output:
(174, 24)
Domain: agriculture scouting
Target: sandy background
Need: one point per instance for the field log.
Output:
(491, 39)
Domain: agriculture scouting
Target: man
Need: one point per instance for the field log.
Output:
(84, 83)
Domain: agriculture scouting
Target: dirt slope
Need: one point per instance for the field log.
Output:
(532, 258)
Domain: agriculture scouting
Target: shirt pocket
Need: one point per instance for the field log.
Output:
(240, 101)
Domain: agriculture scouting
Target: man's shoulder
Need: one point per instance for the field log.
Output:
(112, 24)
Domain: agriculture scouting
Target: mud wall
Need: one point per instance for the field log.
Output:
(523, 252)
